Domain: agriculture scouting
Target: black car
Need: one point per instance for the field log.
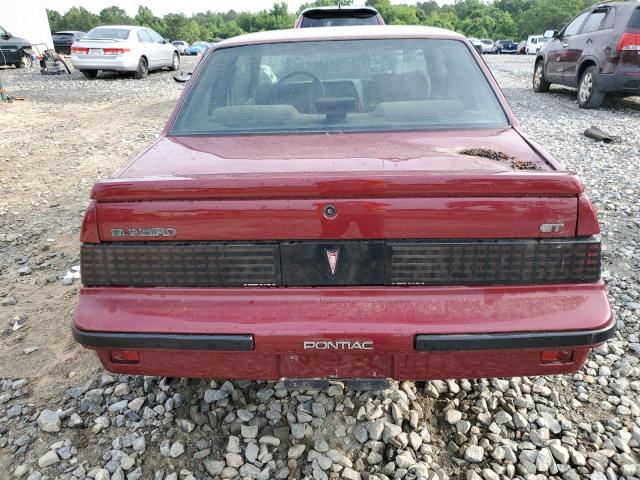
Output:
(598, 52)
(14, 50)
(62, 40)
(506, 46)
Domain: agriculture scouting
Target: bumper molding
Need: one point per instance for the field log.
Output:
(167, 341)
(505, 341)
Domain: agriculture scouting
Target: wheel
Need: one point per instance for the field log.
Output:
(175, 64)
(589, 96)
(26, 61)
(90, 74)
(540, 85)
(143, 69)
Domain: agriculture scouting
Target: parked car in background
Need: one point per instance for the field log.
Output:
(488, 46)
(181, 46)
(477, 44)
(506, 46)
(15, 50)
(535, 43)
(338, 16)
(198, 47)
(62, 41)
(123, 48)
(598, 52)
(271, 232)
(522, 47)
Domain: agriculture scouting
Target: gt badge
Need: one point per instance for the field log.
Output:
(332, 257)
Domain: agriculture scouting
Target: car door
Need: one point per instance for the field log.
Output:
(590, 38)
(559, 54)
(146, 46)
(164, 50)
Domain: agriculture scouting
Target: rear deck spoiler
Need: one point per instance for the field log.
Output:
(322, 185)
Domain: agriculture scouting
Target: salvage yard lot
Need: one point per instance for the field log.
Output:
(70, 131)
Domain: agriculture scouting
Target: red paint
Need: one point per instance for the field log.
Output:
(89, 230)
(384, 185)
(587, 219)
(355, 219)
(281, 319)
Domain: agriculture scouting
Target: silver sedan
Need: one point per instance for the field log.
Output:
(123, 48)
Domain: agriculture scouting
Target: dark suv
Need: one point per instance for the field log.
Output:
(14, 50)
(598, 52)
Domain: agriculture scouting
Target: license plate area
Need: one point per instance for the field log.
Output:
(336, 365)
(96, 51)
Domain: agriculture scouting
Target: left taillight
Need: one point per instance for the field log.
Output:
(89, 231)
(79, 50)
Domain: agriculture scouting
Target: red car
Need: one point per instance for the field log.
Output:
(351, 203)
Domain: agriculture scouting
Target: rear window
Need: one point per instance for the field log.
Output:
(327, 86)
(634, 22)
(63, 34)
(109, 33)
(337, 18)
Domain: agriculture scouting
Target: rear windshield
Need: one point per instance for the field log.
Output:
(337, 18)
(327, 86)
(110, 33)
(64, 34)
(635, 19)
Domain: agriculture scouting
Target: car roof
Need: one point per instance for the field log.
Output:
(60, 32)
(333, 8)
(339, 33)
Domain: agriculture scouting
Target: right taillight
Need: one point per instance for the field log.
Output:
(629, 41)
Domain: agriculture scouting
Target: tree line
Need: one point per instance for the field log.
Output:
(508, 19)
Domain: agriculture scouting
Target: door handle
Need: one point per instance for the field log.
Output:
(589, 40)
(565, 45)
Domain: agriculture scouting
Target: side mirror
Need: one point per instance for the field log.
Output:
(166, 40)
(182, 77)
(550, 34)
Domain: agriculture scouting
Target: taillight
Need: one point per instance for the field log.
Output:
(115, 51)
(550, 357)
(124, 356)
(89, 231)
(629, 41)
(80, 50)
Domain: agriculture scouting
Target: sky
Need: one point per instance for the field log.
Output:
(188, 7)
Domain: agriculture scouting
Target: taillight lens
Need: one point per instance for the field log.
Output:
(79, 50)
(629, 42)
(115, 51)
(551, 357)
(124, 356)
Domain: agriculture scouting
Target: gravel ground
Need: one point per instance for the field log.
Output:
(63, 417)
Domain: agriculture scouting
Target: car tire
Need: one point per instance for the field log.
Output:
(175, 62)
(540, 84)
(589, 95)
(89, 74)
(142, 70)
(26, 61)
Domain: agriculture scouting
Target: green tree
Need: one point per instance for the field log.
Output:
(79, 18)
(146, 18)
(56, 22)
(115, 16)
(174, 22)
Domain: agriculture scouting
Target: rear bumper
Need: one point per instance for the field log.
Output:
(404, 333)
(118, 63)
(624, 80)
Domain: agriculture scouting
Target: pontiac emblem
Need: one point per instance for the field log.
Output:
(332, 257)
